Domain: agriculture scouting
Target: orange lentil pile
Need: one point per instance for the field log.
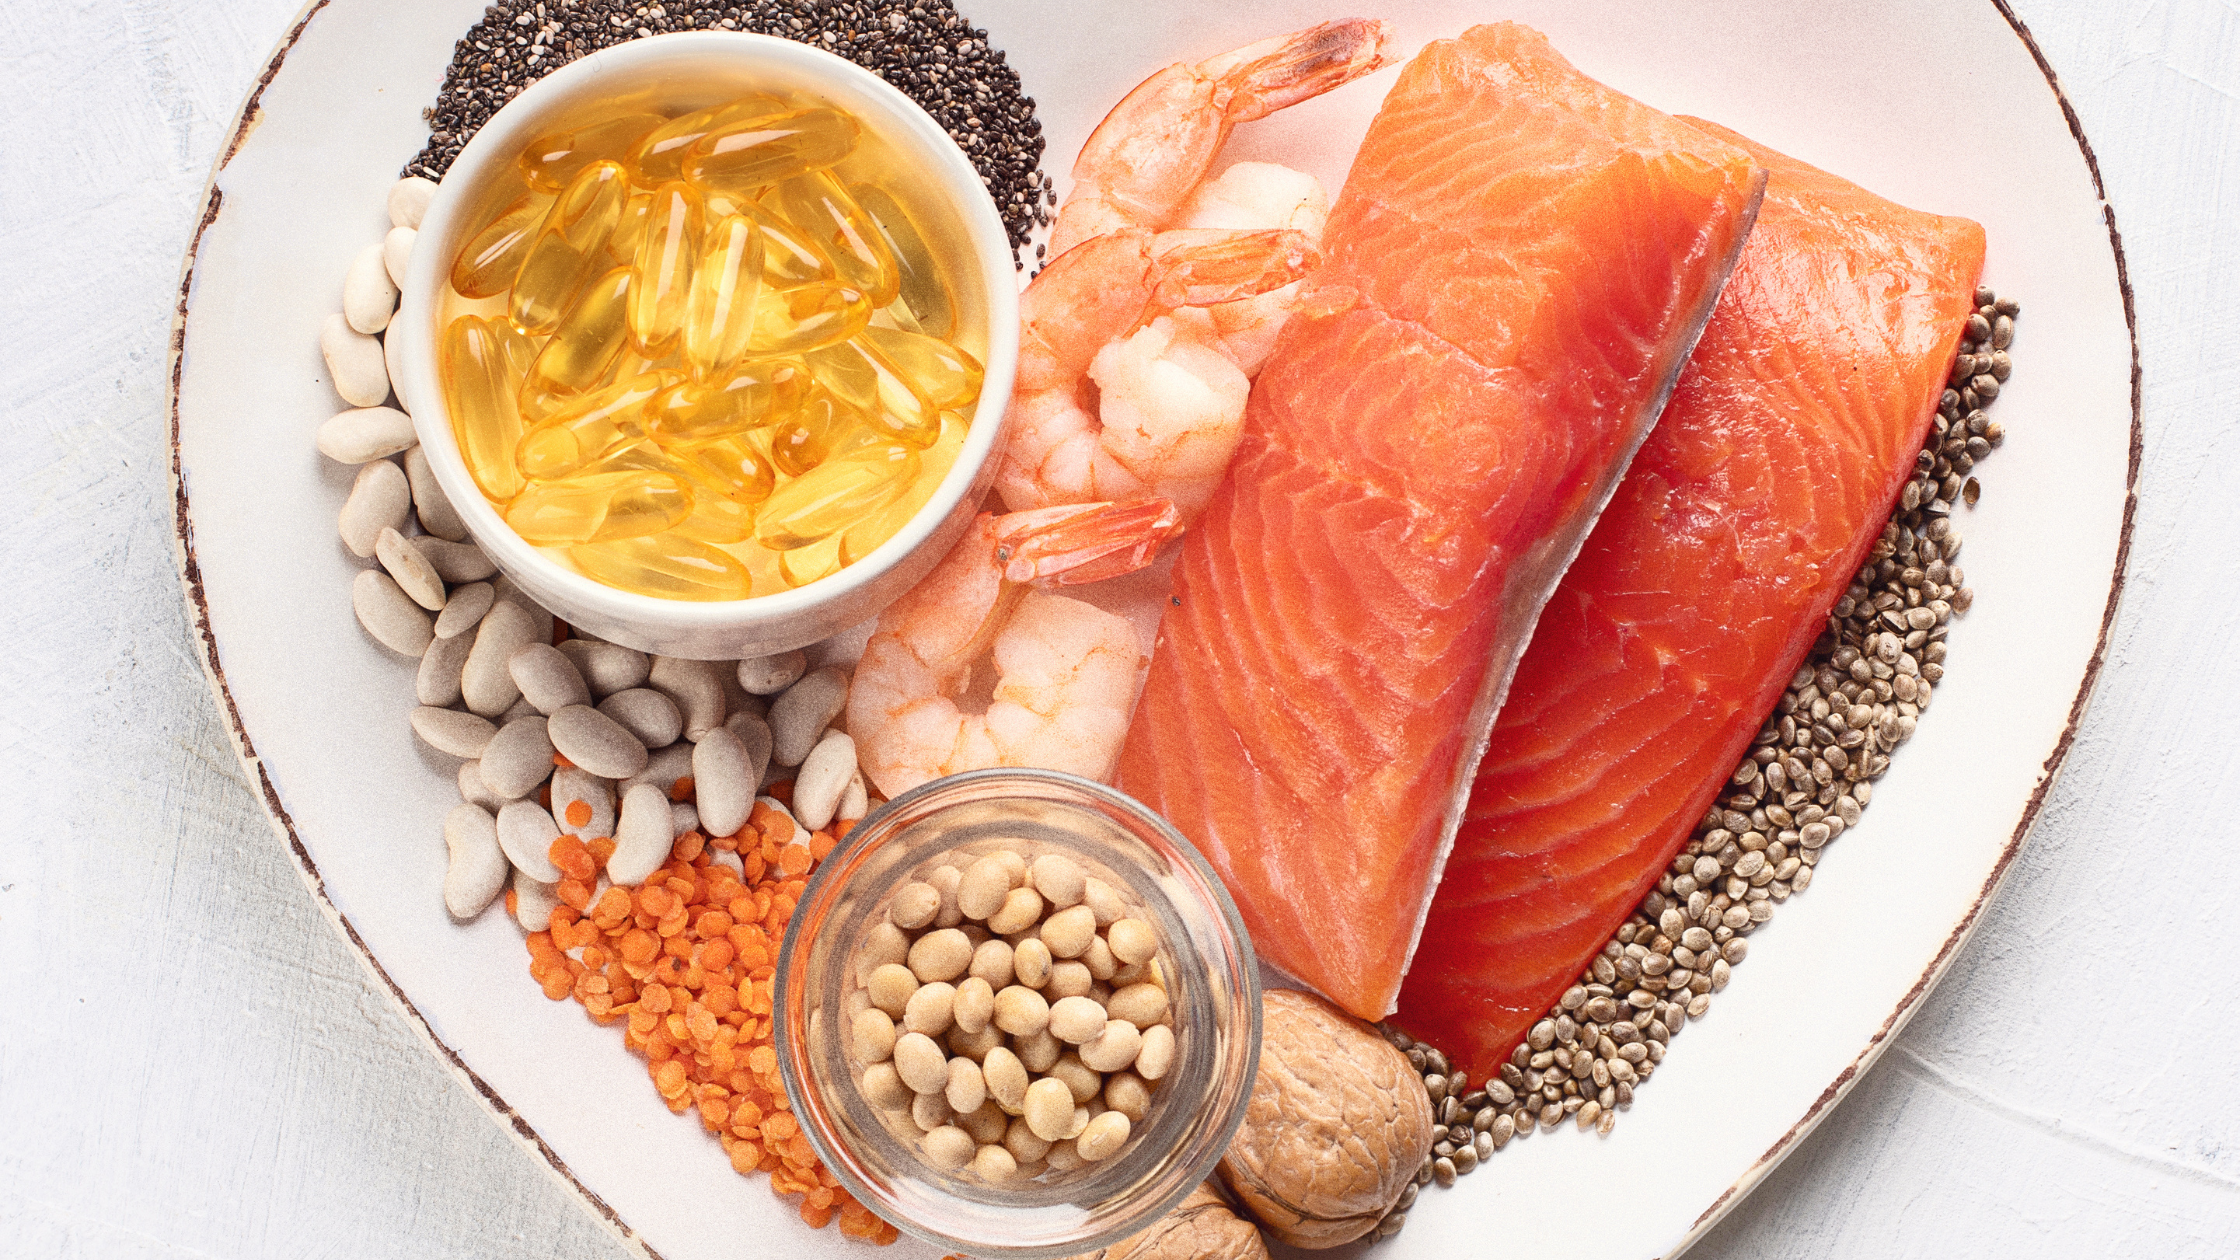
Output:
(687, 961)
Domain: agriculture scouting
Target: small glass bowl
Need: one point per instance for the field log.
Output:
(1214, 996)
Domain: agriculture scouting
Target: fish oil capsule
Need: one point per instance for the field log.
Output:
(482, 361)
(751, 147)
(790, 256)
(569, 247)
(820, 207)
(749, 396)
(739, 467)
(863, 377)
(836, 494)
(727, 281)
(946, 375)
(716, 517)
(865, 536)
(598, 507)
(790, 321)
(554, 159)
(823, 425)
(659, 157)
(592, 428)
(589, 339)
(665, 566)
(487, 266)
(804, 565)
(922, 292)
(637, 217)
(662, 268)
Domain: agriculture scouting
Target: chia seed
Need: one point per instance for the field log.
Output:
(922, 47)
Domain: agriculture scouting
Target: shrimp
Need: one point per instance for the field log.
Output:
(1155, 147)
(1122, 388)
(1247, 196)
(1065, 672)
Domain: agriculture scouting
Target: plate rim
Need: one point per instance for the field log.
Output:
(204, 638)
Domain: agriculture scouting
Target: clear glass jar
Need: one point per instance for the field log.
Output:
(1214, 998)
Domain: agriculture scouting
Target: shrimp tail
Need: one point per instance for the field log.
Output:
(1207, 266)
(1261, 78)
(1083, 542)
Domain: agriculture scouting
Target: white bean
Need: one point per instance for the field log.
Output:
(723, 782)
(462, 608)
(456, 561)
(647, 714)
(769, 675)
(379, 500)
(798, 718)
(534, 902)
(754, 736)
(643, 836)
(596, 742)
(453, 732)
(1113, 1048)
(411, 569)
(684, 816)
(1157, 1054)
(663, 769)
(1102, 1137)
(823, 778)
(389, 615)
(365, 433)
(408, 200)
(571, 784)
(392, 365)
(695, 688)
(396, 253)
(438, 681)
(856, 801)
(607, 667)
(369, 297)
(477, 870)
(437, 516)
(354, 363)
(474, 791)
(520, 709)
(518, 759)
(546, 677)
(486, 682)
(526, 833)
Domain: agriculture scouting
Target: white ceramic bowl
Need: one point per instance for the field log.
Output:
(695, 70)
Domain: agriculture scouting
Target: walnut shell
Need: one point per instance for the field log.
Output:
(1336, 1129)
(1201, 1227)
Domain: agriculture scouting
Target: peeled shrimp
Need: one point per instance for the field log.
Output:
(1117, 312)
(1155, 147)
(1246, 197)
(1065, 673)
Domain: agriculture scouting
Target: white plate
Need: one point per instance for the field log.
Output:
(1939, 106)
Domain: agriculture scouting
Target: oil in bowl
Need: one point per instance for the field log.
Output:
(709, 349)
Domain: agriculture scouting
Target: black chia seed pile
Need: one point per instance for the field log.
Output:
(922, 47)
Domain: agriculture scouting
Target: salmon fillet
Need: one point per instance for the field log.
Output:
(1697, 596)
(1517, 267)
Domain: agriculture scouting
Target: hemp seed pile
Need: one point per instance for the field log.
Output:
(922, 47)
(1807, 779)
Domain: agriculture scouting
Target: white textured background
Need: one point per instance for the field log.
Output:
(192, 1064)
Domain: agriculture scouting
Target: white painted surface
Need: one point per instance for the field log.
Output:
(191, 1063)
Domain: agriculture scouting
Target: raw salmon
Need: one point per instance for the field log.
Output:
(1517, 267)
(1697, 596)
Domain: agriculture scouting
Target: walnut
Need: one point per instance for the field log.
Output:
(1201, 1227)
(1337, 1126)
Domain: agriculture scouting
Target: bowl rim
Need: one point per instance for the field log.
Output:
(907, 125)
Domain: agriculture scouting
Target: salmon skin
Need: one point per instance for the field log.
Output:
(1697, 596)
(1517, 267)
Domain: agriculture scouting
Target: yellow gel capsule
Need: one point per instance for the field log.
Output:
(923, 292)
(720, 314)
(664, 566)
(947, 376)
(598, 507)
(481, 366)
(593, 427)
(819, 428)
(487, 266)
(790, 256)
(659, 157)
(570, 246)
(858, 373)
(753, 147)
(637, 218)
(552, 160)
(865, 536)
(749, 396)
(716, 517)
(820, 206)
(835, 495)
(739, 468)
(804, 565)
(663, 268)
(589, 339)
(791, 321)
